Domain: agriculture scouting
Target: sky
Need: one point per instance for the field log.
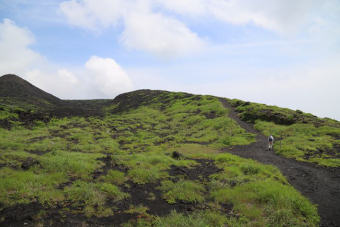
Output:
(278, 52)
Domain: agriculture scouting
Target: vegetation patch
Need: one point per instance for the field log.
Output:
(26, 186)
(92, 197)
(249, 111)
(268, 203)
(149, 167)
(305, 142)
(183, 190)
(74, 164)
(94, 166)
(199, 219)
(298, 135)
(260, 195)
(195, 151)
(114, 177)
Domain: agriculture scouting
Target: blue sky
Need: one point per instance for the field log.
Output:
(282, 52)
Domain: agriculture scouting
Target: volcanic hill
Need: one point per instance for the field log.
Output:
(14, 87)
(159, 158)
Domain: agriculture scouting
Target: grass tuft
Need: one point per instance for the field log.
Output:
(183, 190)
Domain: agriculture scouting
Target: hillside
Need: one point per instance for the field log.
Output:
(22, 103)
(302, 136)
(158, 158)
(17, 89)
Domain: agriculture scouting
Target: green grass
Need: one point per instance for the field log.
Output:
(19, 186)
(91, 197)
(139, 140)
(199, 219)
(175, 219)
(202, 121)
(183, 190)
(75, 164)
(304, 142)
(114, 177)
(235, 167)
(251, 112)
(260, 194)
(298, 135)
(7, 113)
(269, 203)
(195, 151)
(149, 167)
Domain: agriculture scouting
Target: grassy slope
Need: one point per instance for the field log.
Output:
(61, 164)
(298, 135)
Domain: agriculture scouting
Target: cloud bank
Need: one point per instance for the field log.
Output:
(159, 26)
(281, 16)
(98, 78)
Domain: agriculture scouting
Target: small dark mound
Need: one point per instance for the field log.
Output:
(29, 162)
(5, 123)
(176, 155)
(202, 171)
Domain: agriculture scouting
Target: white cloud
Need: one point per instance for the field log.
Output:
(14, 54)
(282, 16)
(63, 83)
(98, 78)
(148, 26)
(158, 34)
(188, 7)
(91, 14)
(109, 78)
(143, 29)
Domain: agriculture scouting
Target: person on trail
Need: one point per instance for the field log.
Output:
(270, 142)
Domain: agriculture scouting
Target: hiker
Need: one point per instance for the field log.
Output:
(270, 142)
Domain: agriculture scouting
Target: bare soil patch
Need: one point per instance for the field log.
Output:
(201, 172)
(38, 152)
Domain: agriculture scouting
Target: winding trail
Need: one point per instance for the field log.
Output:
(320, 184)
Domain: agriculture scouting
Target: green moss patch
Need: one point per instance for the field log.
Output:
(183, 190)
(270, 203)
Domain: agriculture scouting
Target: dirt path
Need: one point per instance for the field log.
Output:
(321, 185)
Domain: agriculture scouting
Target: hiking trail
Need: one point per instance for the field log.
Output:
(320, 184)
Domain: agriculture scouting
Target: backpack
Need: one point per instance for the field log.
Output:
(271, 139)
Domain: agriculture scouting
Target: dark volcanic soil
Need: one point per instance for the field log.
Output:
(320, 184)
